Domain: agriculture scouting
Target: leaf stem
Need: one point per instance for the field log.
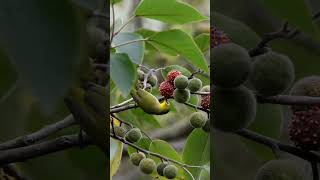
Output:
(129, 42)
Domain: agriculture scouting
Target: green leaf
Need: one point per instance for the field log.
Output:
(145, 119)
(123, 72)
(169, 11)
(115, 155)
(205, 173)
(42, 39)
(177, 42)
(135, 50)
(165, 149)
(167, 69)
(287, 9)
(238, 32)
(203, 41)
(146, 33)
(197, 150)
(268, 122)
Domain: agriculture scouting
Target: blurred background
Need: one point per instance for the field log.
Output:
(244, 21)
(172, 127)
(42, 45)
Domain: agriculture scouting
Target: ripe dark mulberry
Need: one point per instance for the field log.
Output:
(172, 75)
(304, 128)
(166, 89)
(218, 37)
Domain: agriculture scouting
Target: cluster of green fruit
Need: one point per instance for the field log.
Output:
(152, 80)
(132, 135)
(234, 103)
(148, 166)
(305, 124)
(179, 87)
(199, 120)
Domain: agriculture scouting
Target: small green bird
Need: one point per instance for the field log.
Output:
(149, 103)
(89, 108)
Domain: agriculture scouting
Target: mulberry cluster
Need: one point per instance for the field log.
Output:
(305, 124)
(218, 37)
(304, 128)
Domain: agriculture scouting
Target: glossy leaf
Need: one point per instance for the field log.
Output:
(134, 50)
(115, 155)
(123, 72)
(197, 150)
(168, 11)
(203, 41)
(177, 42)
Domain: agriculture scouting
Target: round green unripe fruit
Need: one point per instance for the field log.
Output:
(308, 86)
(161, 167)
(170, 171)
(181, 95)
(153, 80)
(205, 88)
(140, 75)
(231, 65)
(197, 120)
(147, 165)
(206, 126)
(136, 158)
(280, 170)
(181, 82)
(195, 85)
(133, 135)
(119, 131)
(272, 73)
(234, 109)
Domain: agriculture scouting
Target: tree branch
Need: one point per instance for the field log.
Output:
(307, 155)
(44, 148)
(38, 135)
(283, 33)
(289, 100)
(12, 171)
(123, 108)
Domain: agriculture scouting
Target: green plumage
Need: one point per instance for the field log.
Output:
(87, 110)
(149, 103)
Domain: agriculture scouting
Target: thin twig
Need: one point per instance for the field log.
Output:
(38, 135)
(122, 103)
(152, 153)
(123, 26)
(200, 93)
(197, 107)
(289, 100)
(307, 155)
(41, 149)
(123, 108)
(129, 42)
